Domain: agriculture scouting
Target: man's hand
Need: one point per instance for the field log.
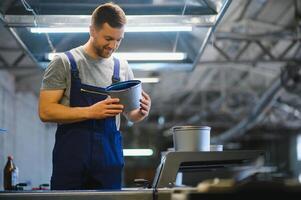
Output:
(106, 108)
(50, 110)
(142, 112)
(145, 104)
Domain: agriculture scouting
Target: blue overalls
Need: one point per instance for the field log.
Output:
(87, 154)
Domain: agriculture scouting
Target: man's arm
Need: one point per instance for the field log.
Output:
(51, 111)
(139, 114)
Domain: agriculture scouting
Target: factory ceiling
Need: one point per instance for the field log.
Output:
(177, 31)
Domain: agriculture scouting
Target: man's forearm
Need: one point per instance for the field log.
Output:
(63, 114)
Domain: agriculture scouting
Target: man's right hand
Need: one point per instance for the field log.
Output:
(50, 110)
(106, 108)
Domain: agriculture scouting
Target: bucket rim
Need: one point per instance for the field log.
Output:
(137, 82)
(182, 128)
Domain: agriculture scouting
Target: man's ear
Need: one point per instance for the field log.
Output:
(92, 31)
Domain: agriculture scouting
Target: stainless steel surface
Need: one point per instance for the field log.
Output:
(129, 96)
(128, 92)
(216, 147)
(132, 194)
(191, 138)
(173, 162)
(191, 128)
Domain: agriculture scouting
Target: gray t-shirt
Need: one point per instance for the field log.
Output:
(96, 72)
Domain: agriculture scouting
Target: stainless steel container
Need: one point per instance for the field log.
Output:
(216, 147)
(191, 138)
(129, 93)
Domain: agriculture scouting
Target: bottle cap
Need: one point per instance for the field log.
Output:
(10, 157)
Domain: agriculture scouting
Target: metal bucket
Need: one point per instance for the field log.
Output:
(129, 93)
(216, 147)
(191, 138)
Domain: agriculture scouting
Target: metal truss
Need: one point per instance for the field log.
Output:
(265, 56)
(16, 58)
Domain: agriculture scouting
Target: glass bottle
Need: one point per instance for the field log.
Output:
(10, 174)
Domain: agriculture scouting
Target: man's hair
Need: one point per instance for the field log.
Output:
(108, 13)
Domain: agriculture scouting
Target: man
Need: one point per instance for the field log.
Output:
(88, 147)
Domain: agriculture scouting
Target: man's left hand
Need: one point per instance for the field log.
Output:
(145, 104)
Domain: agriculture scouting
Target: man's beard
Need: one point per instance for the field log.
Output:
(100, 51)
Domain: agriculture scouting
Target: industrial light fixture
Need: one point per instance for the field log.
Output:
(151, 56)
(298, 146)
(143, 56)
(2, 130)
(127, 29)
(149, 80)
(138, 152)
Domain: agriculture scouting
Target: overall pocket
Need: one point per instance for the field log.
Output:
(111, 154)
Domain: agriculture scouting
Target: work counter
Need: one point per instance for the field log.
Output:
(128, 193)
(251, 190)
(204, 175)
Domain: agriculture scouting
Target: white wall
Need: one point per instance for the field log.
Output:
(27, 139)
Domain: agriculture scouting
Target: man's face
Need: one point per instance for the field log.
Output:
(106, 40)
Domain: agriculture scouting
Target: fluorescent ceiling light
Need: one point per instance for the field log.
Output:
(149, 80)
(142, 56)
(60, 30)
(159, 29)
(163, 56)
(298, 146)
(138, 152)
(127, 29)
(2, 130)
(157, 66)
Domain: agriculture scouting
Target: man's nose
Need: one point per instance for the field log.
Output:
(113, 44)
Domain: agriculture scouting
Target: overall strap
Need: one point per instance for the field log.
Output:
(115, 77)
(74, 70)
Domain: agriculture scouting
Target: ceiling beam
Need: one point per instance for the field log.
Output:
(265, 101)
(248, 61)
(13, 49)
(18, 68)
(18, 59)
(5, 63)
(19, 41)
(130, 7)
